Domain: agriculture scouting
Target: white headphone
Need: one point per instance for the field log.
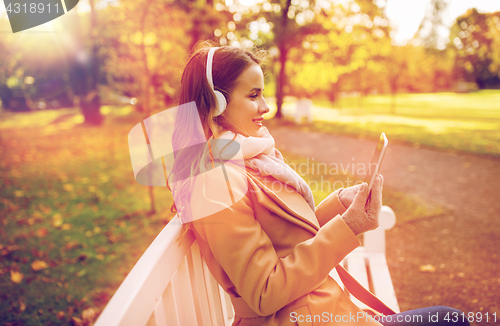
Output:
(221, 100)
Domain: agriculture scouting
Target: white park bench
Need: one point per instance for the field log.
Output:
(171, 284)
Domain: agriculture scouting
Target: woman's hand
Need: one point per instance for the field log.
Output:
(347, 195)
(362, 215)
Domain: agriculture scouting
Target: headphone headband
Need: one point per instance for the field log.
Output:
(210, 59)
(221, 100)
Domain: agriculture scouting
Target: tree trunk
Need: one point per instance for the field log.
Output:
(283, 58)
(146, 95)
(195, 33)
(91, 108)
(393, 103)
(281, 81)
(91, 104)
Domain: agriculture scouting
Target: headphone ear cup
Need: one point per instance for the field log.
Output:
(221, 102)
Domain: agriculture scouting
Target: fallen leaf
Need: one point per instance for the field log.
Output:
(71, 245)
(68, 187)
(60, 315)
(81, 273)
(16, 277)
(38, 265)
(103, 178)
(42, 232)
(22, 306)
(57, 223)
(428, 268)
(112, 238)
(88, 315)
(12, 247)
(77, 321)
(66, 226)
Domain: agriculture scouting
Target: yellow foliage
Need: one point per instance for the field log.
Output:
(38, 265)
(16, 277)
(68, 187)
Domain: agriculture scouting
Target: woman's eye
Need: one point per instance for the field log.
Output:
(254, 96)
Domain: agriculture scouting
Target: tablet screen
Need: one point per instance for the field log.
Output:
(377, 158)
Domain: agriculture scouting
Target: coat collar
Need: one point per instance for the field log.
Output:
(283, 200)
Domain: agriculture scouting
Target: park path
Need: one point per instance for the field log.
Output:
(463, 244)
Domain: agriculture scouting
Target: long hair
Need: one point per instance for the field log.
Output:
(191, 157)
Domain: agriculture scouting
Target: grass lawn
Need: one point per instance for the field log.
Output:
(73, 219)
(463, 122)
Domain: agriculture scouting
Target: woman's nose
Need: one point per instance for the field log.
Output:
(263, 107)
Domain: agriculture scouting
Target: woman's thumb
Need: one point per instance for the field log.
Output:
(361, 195)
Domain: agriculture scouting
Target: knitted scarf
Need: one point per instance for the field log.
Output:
(260, 155)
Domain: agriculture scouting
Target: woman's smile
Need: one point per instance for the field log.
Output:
(258, 121)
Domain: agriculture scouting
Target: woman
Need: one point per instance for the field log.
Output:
(265, 242)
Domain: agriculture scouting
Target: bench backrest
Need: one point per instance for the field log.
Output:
(171, 284)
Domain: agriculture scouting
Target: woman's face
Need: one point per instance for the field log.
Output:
(247, 106)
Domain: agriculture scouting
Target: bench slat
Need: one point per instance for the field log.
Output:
(213, 297)
(159, 313)
(381, 279)
(184, 293)
(356, 266)
(226, 307)
(151, 321)
(171, 309)
(229, 306)
(200, 287)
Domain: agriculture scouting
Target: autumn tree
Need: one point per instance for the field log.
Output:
(474, 36)
(34, 70)
(85, 60)
(306, 34)
(350, 57)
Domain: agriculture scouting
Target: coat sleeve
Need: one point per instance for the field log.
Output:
(246, 254)
(329, 208)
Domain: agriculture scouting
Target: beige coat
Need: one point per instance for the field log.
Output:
(273, 254)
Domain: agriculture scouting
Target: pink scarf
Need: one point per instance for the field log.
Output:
(261, 155)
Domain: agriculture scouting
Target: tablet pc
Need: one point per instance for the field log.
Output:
(376, 162)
